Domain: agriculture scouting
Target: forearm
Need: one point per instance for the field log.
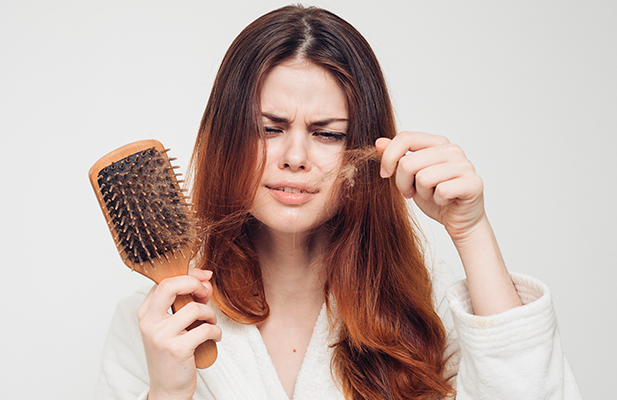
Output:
(490, 286)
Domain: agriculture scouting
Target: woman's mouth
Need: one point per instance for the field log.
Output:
(292, 195)
(290, 190)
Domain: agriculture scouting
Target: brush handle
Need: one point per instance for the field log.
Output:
(205, 353)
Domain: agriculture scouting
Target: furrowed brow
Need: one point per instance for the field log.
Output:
(320, 123)
(328, 121)
(276, 119)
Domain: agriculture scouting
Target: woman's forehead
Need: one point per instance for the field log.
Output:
(300, 88)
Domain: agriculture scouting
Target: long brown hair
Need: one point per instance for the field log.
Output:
(390, 340)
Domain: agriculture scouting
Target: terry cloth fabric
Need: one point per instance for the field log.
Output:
(513, 355)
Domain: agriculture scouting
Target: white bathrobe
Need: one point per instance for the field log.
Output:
(513, 355)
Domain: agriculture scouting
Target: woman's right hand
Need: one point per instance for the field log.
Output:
(169, 347)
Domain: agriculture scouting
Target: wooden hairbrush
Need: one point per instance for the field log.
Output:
(149, 217)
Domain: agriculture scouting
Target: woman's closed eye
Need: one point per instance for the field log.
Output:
(329, 136)
(271, 131)
(324, 136)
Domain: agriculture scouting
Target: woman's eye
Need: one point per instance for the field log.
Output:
(330, 136)
(273, 131)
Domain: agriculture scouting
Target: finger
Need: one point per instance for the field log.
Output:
(412, 164)
(415, 163)
(467, 187)
(201, 274)
(141, 311)
(194, 311)
(444, 153)
(166, 292)
(198, 332)
(203, 332)
(420, 140)
(381, 144)
(425, 189)
(205, 296)
(406, 175)
(430, 177)
(403, 143)
(191, 316)
(204, 276)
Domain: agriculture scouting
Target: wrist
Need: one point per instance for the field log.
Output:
(476, 230)
(490, 286)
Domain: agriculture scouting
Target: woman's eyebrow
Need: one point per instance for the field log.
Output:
(275, 119)
(328, 121)
(320, 123)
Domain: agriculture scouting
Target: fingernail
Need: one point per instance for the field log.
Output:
(208, 273)
(383, 173)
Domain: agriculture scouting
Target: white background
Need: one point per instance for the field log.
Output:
(527, 88)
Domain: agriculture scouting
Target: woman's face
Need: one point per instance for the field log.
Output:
(304, 113)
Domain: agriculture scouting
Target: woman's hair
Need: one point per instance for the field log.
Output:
(390, 341)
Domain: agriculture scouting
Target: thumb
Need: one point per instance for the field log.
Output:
(381, 144)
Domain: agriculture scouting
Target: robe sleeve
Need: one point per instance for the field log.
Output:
(516, 354)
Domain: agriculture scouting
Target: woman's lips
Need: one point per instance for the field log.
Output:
(291, 194)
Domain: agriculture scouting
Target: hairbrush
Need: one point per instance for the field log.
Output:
(149, 217)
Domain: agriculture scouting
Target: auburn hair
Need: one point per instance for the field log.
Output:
(389, 340)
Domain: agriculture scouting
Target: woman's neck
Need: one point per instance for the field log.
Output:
(291, 266)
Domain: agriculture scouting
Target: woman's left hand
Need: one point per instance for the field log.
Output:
(438, 176)
(444, 184)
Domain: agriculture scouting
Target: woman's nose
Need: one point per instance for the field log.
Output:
(295, 153)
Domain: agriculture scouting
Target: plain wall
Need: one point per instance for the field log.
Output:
(527, 88)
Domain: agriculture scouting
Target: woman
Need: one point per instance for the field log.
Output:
(314, 270)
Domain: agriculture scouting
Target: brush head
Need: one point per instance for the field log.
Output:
(145, 208)
(149, 218)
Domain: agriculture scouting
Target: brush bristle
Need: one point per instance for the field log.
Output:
(146, 207)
